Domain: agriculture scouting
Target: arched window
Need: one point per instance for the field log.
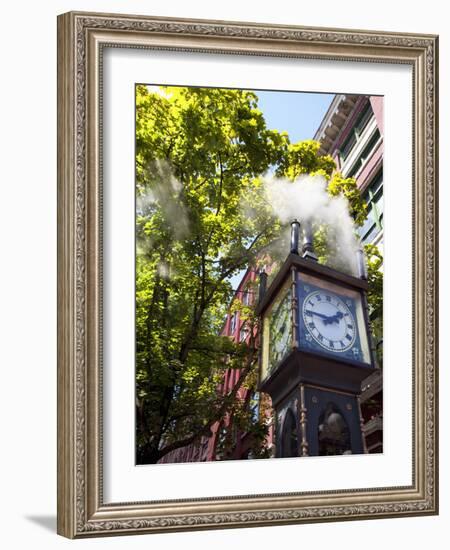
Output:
(233, 321)
(247, 295)
(243, 332)
(334, 433)
(289, 439)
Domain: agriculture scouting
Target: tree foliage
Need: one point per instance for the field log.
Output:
(202, 216)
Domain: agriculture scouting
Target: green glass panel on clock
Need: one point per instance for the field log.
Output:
(277, 333)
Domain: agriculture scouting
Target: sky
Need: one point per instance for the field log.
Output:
(299, 114)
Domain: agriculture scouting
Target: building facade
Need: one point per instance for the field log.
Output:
(352, 132)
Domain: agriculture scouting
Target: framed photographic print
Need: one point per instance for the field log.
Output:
(247, 283)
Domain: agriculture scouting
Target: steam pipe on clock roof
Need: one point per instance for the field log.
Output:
(308, 242)
(295, 230)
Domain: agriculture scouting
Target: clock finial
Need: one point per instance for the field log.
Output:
(308, 246)
(262, 283)
(361, 262)
(295, 228)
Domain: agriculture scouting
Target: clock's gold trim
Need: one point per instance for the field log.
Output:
(303, 421)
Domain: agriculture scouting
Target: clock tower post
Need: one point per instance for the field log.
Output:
(315, 353)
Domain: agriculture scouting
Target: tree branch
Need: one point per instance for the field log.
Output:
(227, 402)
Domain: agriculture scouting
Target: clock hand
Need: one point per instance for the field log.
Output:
(336, 318)
(327, 319)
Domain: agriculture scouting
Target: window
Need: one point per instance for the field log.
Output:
(347, 146)
(374, 199)
(247, 296)
(221, 443)
(254, 406)
(363, 119)
(355, 133)
(233, 321)
(365, 154)
(243, 333)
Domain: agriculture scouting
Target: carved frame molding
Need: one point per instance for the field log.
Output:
(81, 37)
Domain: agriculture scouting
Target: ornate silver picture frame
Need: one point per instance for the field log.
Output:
(82, 508)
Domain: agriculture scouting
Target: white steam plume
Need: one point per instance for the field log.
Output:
(163, 191)
(306, 199)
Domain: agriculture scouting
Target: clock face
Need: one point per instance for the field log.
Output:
(280, 330)
(329, 320)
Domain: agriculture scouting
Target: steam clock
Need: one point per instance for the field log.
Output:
(315, 354)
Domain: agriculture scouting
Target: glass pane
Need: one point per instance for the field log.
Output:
(368, 224)
(348, 146)
(379, 202)
(371, 234)
(377, 185)
(367, 150)
(365, 116)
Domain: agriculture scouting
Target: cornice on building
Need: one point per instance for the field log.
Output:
(335, 121)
